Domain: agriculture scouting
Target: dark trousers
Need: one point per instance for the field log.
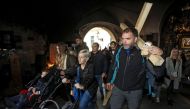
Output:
(170, 90)
(118, 98)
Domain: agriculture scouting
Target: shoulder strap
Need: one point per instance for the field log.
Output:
(78, 75)
(116, 65)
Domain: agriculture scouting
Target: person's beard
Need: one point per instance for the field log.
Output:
(127, 46)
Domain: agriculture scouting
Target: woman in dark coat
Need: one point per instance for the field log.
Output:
(85, 81)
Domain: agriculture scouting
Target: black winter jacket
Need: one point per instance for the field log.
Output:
(100, 63)
(131, 72)
(87, 78)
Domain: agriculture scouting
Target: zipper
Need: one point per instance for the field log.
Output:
(127, 62)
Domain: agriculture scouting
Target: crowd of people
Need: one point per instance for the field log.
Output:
(121, 68)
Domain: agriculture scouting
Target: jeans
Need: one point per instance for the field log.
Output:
(86, 102)
(17, 101)
(118, 97)
(150, 83)
(99, 80)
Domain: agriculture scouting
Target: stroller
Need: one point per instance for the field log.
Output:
(49, 99)
(54, 82)
(47, 85)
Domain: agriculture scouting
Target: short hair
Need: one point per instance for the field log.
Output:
(113, 42)
(132, 30)
(96, 44)
(85, 52)
(78, 37)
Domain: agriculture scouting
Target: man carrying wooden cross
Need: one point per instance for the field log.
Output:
(127, 77)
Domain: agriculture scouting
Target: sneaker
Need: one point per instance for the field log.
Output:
(157, 100)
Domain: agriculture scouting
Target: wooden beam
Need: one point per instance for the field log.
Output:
(123, 26)
(141, 20)
(143, 16)
(157, 60)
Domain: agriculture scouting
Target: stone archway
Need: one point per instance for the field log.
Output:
(112, 30)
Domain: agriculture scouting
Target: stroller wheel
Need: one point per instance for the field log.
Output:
(67, 105)
(48, 103)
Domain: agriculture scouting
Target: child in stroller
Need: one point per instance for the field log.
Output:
(39, 88)
(25, 95)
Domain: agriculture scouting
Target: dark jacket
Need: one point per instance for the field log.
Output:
(87, 78)
(187, 68)
(71, 61)
(40, 85)
(131, 72)
(81, 47)
(100, 63)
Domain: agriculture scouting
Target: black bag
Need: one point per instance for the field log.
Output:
(160, 73)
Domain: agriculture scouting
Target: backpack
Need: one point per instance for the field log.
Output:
(160, 73)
